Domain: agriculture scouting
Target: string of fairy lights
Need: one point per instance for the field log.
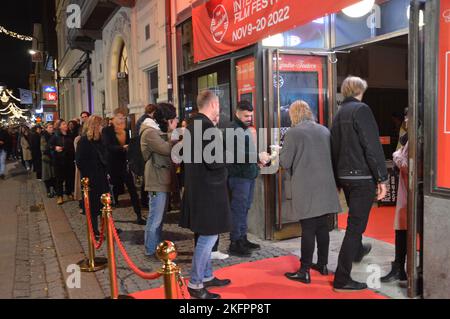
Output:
(15, 34)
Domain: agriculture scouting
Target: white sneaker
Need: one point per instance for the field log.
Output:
(218, 255)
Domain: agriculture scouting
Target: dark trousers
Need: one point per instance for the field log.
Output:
(49, 184)
(360, 195)
(216, 245)
(65, 177)
(315, 229)
(401, 247)
(37, 164)
(95, 206)
(127, 178)
(241, 193)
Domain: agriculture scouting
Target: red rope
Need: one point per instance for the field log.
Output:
(140, 273)
(87, 209)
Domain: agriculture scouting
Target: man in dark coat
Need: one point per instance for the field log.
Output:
(360, 169)
(205, 207)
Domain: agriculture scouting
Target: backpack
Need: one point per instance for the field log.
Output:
(136, 161)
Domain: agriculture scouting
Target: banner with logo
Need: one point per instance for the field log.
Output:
(223, 26)
(443, 148)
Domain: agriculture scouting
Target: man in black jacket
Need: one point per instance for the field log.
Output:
(242, 173)
(360, 169)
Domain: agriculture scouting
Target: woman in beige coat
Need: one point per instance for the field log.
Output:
(26, 149)
(156, 148)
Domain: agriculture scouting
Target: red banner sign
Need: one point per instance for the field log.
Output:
(443, 150)
(223, 26)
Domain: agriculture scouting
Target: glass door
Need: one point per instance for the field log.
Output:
(292, 77)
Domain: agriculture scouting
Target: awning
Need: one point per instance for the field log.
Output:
(223, 26)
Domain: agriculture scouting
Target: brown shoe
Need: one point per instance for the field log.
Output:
(60, 200)
(70, 198)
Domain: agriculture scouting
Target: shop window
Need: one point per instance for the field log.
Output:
(385, 18)
(147, 32)
(311, 35)
(186, 42)
(152, 76)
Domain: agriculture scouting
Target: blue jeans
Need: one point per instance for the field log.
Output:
(157, 206)
(2, 162)
(202, 270)
(242, 190)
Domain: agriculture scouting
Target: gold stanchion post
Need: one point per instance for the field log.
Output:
(167, 252)
(107, 215)
(92, 263)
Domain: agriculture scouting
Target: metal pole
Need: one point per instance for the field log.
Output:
(107, 214)
(280, 171)
(91, 264)
(413, 154)
(167, 252)
(89, 83)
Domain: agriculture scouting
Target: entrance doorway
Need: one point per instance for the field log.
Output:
(384, 65)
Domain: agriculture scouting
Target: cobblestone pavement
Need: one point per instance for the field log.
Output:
(37, 272)
(132, 237)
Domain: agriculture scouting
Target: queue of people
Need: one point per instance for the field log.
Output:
(217, 194)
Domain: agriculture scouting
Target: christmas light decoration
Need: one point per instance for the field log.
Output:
(15, 35)
(12, 110)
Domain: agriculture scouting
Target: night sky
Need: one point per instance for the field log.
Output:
(15, 61)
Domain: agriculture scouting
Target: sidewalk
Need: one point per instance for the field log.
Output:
(29, 266)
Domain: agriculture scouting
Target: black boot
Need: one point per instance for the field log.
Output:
(397, 273)
(238, 248)
(301, 275)
(141, 221)
(320, 268)
(250, 245)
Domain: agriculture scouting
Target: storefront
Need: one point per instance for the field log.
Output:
(228, 47)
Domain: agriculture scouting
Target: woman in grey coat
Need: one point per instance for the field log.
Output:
(306, 155)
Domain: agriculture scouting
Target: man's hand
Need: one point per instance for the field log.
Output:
(382, 191)
(264, 158)
(59, 149)
(125, 147)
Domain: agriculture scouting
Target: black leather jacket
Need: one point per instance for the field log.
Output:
(356, 147)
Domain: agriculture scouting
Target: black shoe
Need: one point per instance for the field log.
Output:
(250, 245)
(322, 269)
(202, 293)
(2, 177)
(365, 251)
(351, 286)
(141, 221)
(238, 248)
(119, 231)
(217, 283)
(397, 273)
(301, 275)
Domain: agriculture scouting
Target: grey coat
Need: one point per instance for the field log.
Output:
(306, 155)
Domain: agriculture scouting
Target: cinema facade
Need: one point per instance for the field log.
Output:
(272, 53)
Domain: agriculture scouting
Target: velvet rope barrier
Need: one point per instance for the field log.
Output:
(87, 209)
(137, 271)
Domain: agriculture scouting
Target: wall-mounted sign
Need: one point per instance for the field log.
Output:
(49, 117)
(49, 89)
(443, 125)
(227, 26)
(52, 96)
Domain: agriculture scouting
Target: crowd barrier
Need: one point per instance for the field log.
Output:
(166, 252)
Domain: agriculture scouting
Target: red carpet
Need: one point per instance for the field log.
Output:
(380, 226)
(265, 279)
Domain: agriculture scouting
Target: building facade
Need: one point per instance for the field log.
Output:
(116, 58)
